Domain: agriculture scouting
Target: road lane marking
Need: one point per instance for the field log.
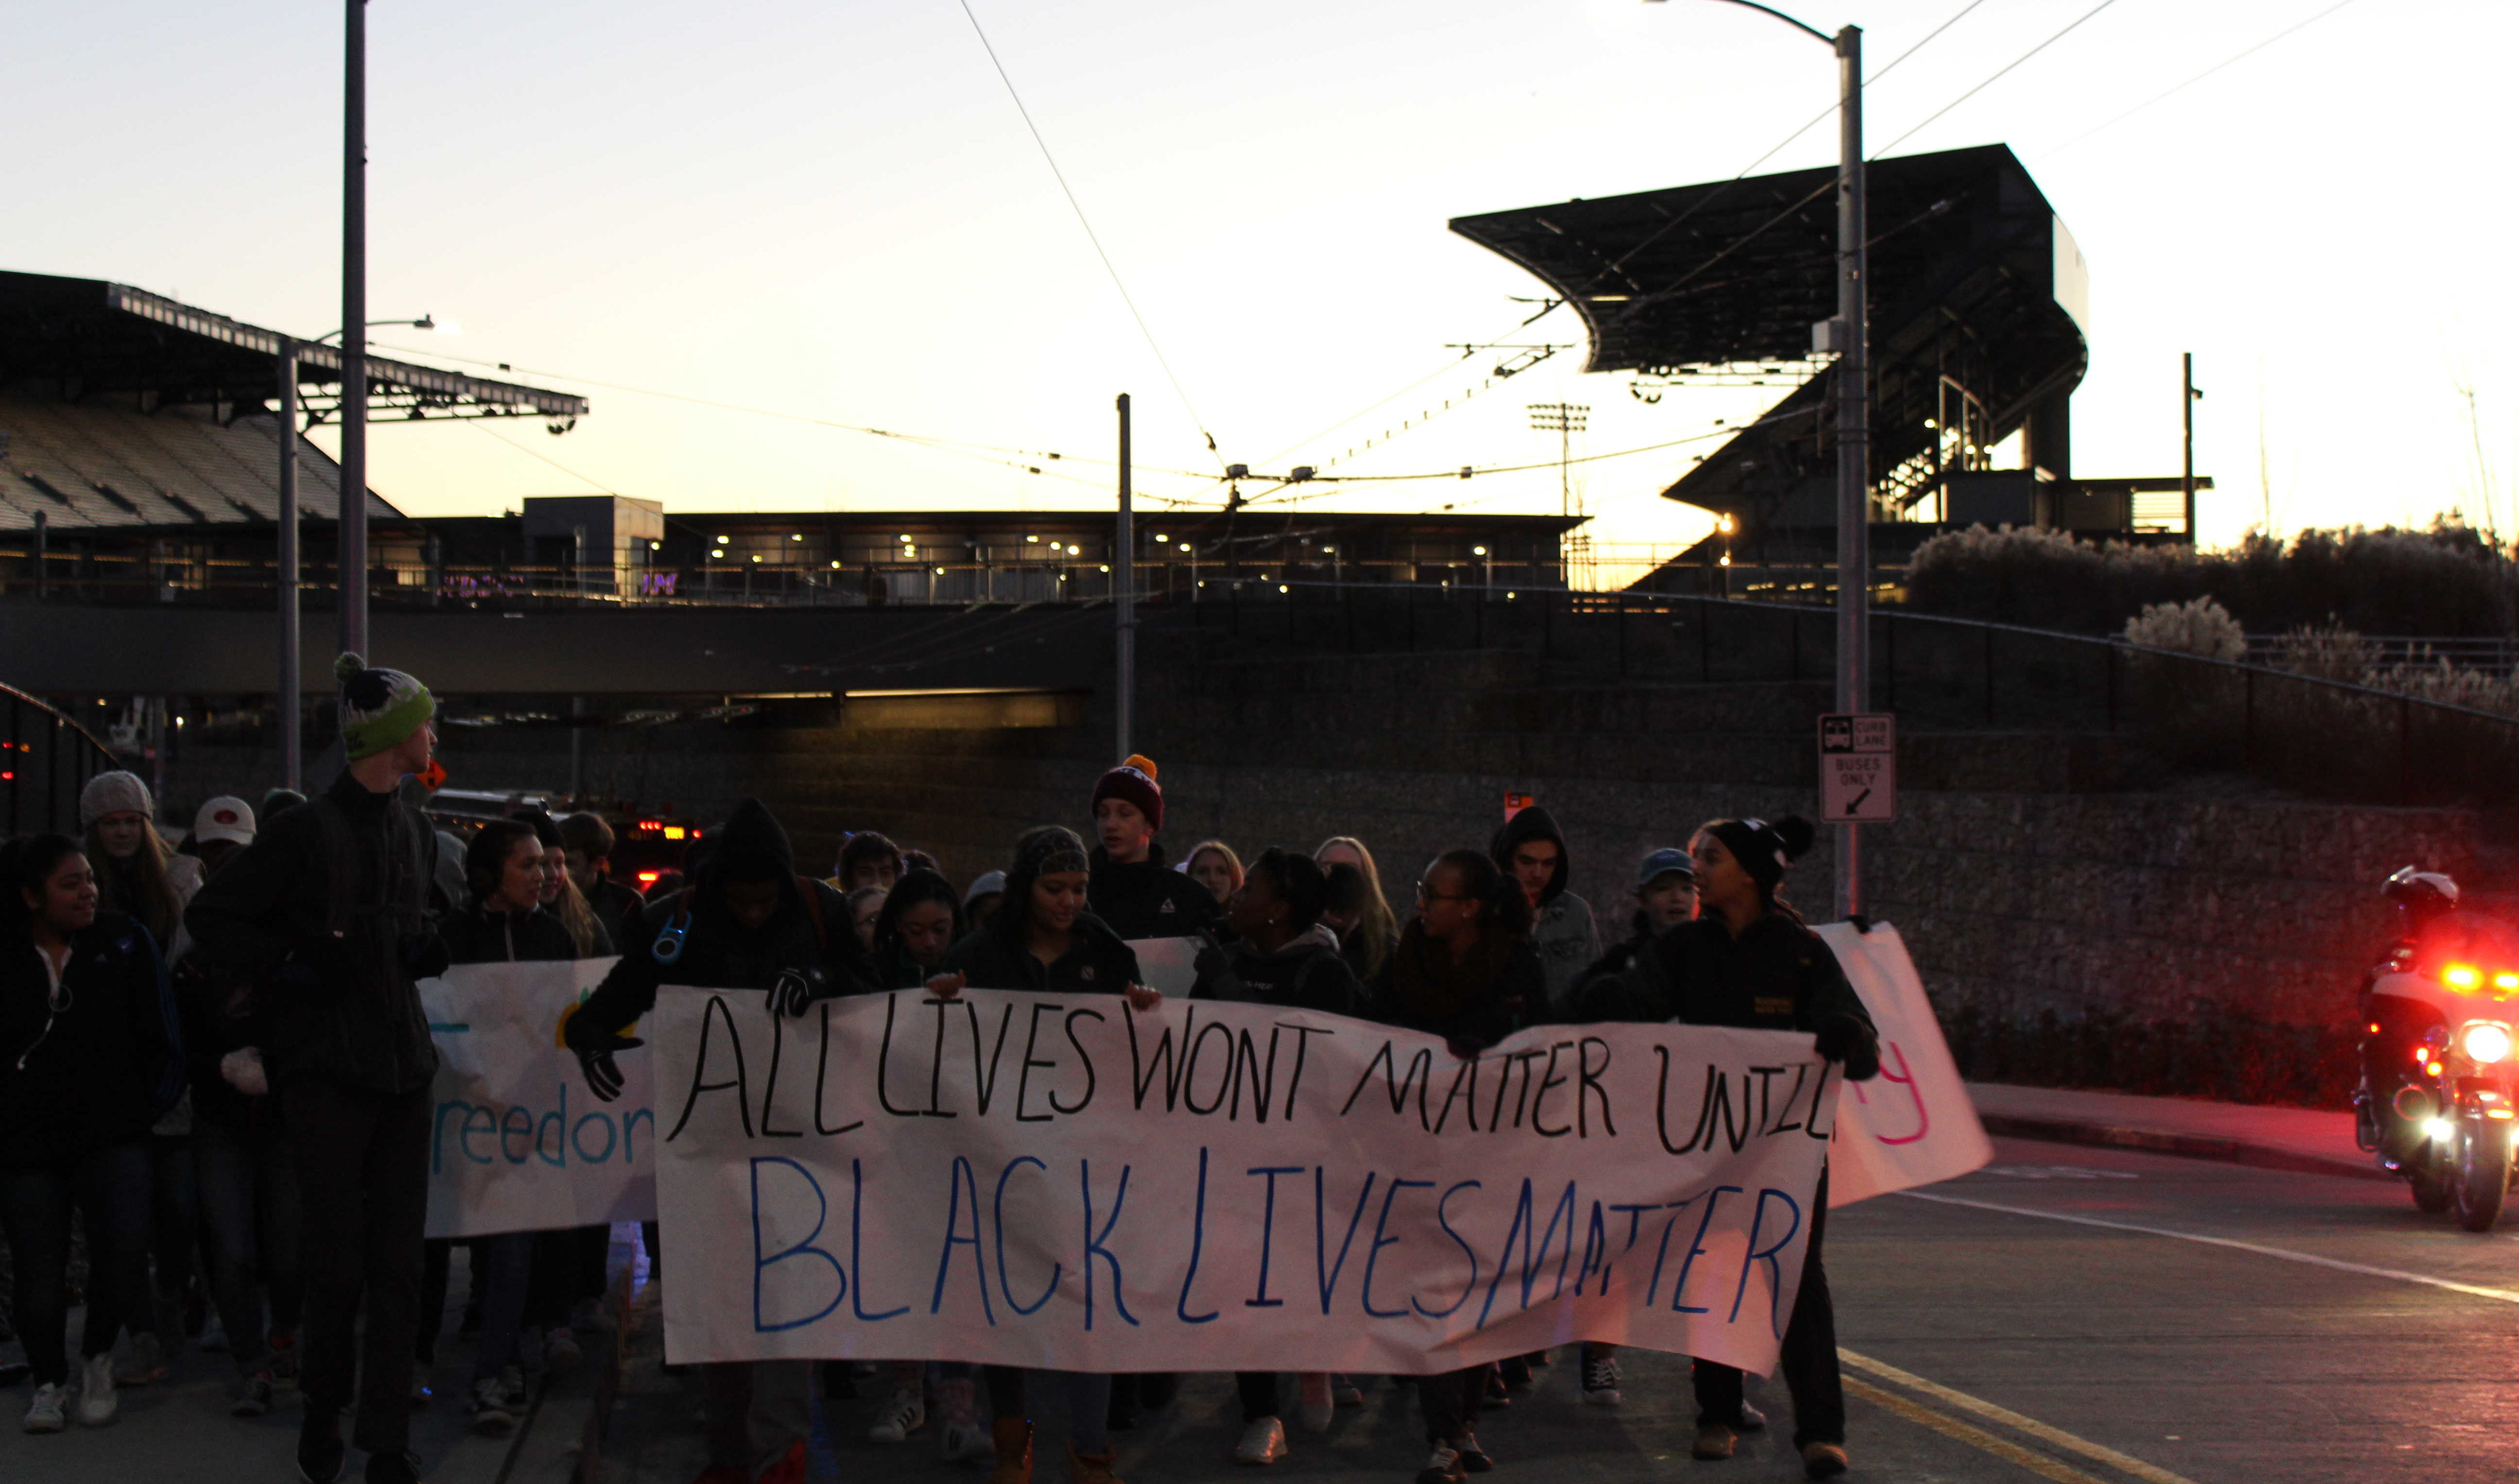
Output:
(2473, 1290)
(1975, 1437)
(2096, 1452)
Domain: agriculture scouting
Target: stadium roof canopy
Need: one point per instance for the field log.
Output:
(85, 337)
(1979, 308)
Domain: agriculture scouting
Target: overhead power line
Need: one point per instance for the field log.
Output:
(1091, 235)
(2239, 57)
(1996, 77)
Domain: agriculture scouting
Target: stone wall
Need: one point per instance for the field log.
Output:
(2019, 890)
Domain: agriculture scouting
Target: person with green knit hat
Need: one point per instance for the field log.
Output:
(379, 708)
(328, 912)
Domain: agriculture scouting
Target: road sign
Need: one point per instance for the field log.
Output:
(1858, 770)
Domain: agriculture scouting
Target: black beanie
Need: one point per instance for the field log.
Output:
(1764, 849)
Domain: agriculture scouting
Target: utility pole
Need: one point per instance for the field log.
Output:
(285, 580)
(350, 560)
(1853, 436)
(2187, 415)
(1123, 578)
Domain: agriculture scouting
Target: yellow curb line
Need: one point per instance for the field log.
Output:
(2123, 1462)
(1975, 1437)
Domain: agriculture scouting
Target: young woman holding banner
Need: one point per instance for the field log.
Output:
(1282, 954)
(1461, 971)
(505, 923)
(1749, 961)
(1045, 939)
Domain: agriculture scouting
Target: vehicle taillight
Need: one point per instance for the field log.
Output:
(650, 878)
(2466, 979)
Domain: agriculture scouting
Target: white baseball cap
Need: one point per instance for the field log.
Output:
(225, 817)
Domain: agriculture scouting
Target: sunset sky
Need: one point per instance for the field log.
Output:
(833, 211)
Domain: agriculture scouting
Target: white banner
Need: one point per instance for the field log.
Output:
(1060, 1181)
(1914, 1123)
(515, 1141)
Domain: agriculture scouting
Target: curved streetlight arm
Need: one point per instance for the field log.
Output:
(424, 321)
(1811, 30)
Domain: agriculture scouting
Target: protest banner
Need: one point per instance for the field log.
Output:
(1912, 1124)
(1063, 1181)
(515, 1141)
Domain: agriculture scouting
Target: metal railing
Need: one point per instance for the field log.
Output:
(2321, 738)
(48, 759)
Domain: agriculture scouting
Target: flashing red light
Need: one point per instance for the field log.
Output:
(650, 824)
(2434, 1069)
(650, 878)
(2466, 979)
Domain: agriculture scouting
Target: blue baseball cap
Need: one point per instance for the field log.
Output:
(1663, 862)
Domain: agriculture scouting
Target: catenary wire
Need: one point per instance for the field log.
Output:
(2298, 25)
(2075, 26)
(1091, 235)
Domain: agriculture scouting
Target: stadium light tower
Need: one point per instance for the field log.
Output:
(1846, 335)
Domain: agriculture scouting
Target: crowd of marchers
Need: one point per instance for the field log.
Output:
(214, 1054)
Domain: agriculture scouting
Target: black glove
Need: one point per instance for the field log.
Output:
(1464, 1049)
(798, 989)
(594, 1049)
(1848, 1040)
(423, 954)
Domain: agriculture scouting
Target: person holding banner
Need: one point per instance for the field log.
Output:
(1749, 961)
(505, 923)
(747, 921)
(1134, 892)
(1462, 971)
(1045, 939)
(1282, 954)
(329, 908)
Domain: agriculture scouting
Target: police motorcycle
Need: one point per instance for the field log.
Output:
(2439, 1085)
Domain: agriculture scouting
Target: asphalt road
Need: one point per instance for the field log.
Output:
(2069, 1314)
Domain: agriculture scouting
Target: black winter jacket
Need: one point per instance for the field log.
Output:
(1307, 974)
(477, 935)
(104, 1068)
(1147, 898)
(1778, 975)
(808, 933)
(1096, 961)
(1480, 1001)
(327, 913)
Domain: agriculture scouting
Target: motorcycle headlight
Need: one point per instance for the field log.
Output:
(2485, 1041)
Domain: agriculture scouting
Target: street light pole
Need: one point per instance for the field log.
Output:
(350, 557)
(1853, 436)
(1123, 577)
(286, 703)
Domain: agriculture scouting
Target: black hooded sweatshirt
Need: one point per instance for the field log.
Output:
(1562, 931)
(101, 1070)
(1147, 898)
(718, 952)
(1479, 1000)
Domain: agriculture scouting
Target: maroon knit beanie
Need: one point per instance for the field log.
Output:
(1134, 781)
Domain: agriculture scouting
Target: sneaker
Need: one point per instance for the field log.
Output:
(214, 1336)
(560, 1350)
(321, 1457)
(1601, 1381)
(393, 1468)
(50, 1412)
(1515, 1371)
(1442, 1467)
(1262, 1442)
(284, 1356)
(148, 1364)
(254, 1399)
(1473, 1459)
(1344, 1392)
(1497, 1394)
(1751, 1420)
(1823, 1460)
(963, 1443)
(1083, 1467)
(488, 1409)
(1314, 1389)
(1714, 1442)
(513, 1389)
(97, 1403)
(902, 1416)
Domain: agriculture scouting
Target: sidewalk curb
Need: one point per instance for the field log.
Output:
(2188, 1146)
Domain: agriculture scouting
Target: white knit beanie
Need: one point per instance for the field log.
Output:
(114, 792)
